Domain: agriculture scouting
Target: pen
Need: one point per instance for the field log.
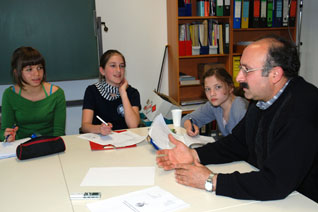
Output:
(193, 130)
(6, 139)
(101, 120)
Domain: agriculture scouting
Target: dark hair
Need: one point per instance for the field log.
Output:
(22, 57)
(106, 56)
(221, 74)
(281, 53)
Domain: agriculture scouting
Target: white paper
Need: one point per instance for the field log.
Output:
(8, 149)
(122, 139)
(119, 176)
(152, 199)
(159, 132)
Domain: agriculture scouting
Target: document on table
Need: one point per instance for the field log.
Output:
(119, 176)
(8, 149)
(159, 132)
(122, 139)
(152, 199)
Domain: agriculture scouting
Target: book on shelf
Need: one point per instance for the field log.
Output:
(190, 82)
(206, 37)
(236, 69)
(220, 39)
(185, 77)
(193, 102)
(226, 38)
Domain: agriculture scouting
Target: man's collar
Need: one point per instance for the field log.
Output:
(264, 105)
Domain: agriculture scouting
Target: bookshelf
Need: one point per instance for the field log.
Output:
(189, 64)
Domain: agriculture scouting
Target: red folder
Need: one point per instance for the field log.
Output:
(95, 146)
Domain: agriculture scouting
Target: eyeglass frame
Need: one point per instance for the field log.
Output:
(246, 70)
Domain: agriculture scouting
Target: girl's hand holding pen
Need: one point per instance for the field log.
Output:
(10, 134)
(191, 128)
(106, 129)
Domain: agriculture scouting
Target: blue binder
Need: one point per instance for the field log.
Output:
(278, 13)
(237, 8)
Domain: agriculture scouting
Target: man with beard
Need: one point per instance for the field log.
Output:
(278, 134)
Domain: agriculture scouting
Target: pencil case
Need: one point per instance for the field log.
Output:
(40, 146)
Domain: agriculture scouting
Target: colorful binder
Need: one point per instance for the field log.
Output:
(255, 13)
(212, 7)
(245, 13)
(237, 14)
(269, 13)
(278, 13)
(263, 13)
(292, 13)
(227, 7)
(285, 12)
(200, 8)
(206, 8)
(219, 7)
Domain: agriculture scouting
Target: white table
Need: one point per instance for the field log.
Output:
(44, 184)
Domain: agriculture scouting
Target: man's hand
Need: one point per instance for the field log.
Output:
(192, 175)
(169, 158)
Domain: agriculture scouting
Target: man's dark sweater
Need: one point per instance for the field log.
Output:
(281, 141)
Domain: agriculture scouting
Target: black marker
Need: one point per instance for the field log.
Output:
(193, 130)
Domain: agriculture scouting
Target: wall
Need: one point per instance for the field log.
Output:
(139, 30)
(309, 49)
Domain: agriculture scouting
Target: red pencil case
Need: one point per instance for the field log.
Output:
(40, 146)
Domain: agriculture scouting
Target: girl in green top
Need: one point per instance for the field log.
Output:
(31, 105)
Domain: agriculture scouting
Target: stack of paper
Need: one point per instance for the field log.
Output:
(126, 138)
(152, 199)
(8, 149)
(159, 132)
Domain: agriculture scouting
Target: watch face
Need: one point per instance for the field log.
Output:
(208, 186)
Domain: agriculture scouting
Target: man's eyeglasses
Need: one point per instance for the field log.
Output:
(247, 70)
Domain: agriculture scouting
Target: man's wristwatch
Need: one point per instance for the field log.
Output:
(208, 183)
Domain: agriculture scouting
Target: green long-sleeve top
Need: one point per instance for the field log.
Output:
(43, 117)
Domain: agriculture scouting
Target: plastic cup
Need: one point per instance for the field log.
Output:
(176, 117)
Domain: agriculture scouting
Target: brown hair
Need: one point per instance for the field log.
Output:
(221, 74)
(22, 57)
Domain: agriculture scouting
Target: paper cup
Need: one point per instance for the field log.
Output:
(176, 117)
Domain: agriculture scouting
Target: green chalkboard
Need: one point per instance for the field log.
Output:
(62, 30)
